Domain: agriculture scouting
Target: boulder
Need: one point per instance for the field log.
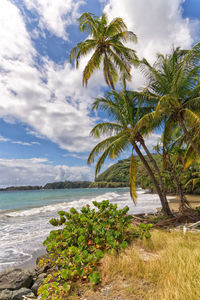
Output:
(18, 294)
(14, 279)
(6, 295)
(44, 268)
(38, 282)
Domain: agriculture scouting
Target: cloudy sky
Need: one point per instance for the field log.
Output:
(45, 115)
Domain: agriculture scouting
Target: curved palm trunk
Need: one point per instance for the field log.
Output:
(183, 201)
(109, 75)
(164, 203)
(188, 136)
(155, 167)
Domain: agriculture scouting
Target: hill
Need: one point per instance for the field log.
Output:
(118, 175)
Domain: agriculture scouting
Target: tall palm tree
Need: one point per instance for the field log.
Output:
(106, 42)
(173, 86)
(124, 111)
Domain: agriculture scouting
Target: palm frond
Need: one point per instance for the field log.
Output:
(93, 64)
(88, 23)
(106, 128)
(112, 151)
(101, 146)
(110, 72)
(125, 36)
(82, 49)
(116, 26)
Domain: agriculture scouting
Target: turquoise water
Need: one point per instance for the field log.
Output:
(15, 200)
(25, 215)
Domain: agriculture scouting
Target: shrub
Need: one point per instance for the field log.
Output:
(76, 249)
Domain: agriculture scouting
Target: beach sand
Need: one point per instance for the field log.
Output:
(193, 199)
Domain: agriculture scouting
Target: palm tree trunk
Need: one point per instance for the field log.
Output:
(188, 136)
(141, 140)
(165, 205)
(183, 201)
(108, 69)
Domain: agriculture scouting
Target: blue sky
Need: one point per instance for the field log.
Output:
(45, 115)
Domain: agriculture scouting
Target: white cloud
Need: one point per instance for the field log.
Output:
(37, 171)
(50, 99)
(158, 24)
(22, 143)
(152, 140)
(56, 15)
(3, 139)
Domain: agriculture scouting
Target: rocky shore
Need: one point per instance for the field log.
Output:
(20, 284)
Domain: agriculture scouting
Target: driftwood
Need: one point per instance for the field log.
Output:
(184, 217)
(194, 225)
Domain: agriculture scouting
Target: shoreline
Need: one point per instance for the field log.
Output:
(31, 263)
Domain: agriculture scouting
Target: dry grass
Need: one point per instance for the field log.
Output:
(167, 268)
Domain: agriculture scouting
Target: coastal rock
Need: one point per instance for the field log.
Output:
(38, 283)
(18, 294)
(6, 295)
(14, 279)
(44, 268)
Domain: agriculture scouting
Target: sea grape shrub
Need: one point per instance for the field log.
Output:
(75, 249)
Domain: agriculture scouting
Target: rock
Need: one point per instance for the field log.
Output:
(44, 268)
(38, 282)
(6, 295)
(14, 279)
(18, 294)
(44, 256)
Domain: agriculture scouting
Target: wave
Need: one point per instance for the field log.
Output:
(62, 206)
(122, 199)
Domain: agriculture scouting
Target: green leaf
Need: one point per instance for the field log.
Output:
(65, 274)
(94, 278)
(99, 254)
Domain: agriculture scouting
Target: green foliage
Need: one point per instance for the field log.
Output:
(144, 181)
(67, 185)
(76, 248)
(106, 40)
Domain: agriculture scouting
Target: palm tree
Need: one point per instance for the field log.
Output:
(125, 111)
(174, 89)
(106, 42)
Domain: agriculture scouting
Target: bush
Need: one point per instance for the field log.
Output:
(76, 250)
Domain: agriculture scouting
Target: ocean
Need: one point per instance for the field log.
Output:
(25, 215)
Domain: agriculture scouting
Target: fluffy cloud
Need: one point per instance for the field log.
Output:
(56, 15)
(152, 140)
(158, 24)
(50, 98)
(37, 171)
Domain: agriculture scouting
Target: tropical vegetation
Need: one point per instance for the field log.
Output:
(170, 102)
(118, 174)
(81, 250)
(76, 249)
(125, 110)
(106, 42)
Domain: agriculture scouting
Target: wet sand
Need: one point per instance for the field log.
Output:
(31, 264)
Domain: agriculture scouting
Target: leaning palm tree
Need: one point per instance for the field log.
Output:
(106, 42)
(174, 88)
(125, 111)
